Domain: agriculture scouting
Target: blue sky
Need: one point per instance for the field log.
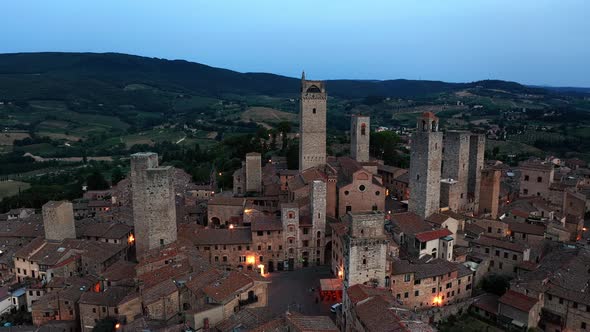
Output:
(528, 41)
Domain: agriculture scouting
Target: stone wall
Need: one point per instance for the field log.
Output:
(477, 146)
(312, 124)
(154, 207)
(365, 251)
(253, 172)
(360, 137)
(425, 168)
(489, 196)
(58, 221)
(456, 166)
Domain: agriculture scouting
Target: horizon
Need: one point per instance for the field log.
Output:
(535, 43)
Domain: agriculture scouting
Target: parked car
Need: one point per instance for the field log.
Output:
(335, 307)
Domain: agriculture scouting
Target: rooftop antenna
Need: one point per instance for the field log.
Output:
(303, 75)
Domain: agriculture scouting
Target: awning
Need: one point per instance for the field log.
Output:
(327, 285)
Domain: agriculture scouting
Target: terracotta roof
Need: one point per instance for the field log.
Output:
(518, 300)
(225, 288)
(111, 296)
(433, 235)
(223, 236)
(106, 230)
(269, 223)
(433, 268)
(487, 302)
(474, 229)
(311, 323)
(429, 115)
(504, 244)
(376, 315)
(437, 218)
(120, 270)
(409, 223)
(523, 227)
(360, 292)
(199, 281)
(159, 291)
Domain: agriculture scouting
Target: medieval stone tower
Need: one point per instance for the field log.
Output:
(253, 172)
(489, 197)
(455, 170)
(359, 138)
(425, 166)
(477, 146)
(58, 221)
(318, 197)
(312, 124)
(154, 206)
(365, 250)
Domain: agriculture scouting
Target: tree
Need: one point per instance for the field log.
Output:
(96, 181)
(496, 283)
(105, 325)
(117, 175)
(385, 146)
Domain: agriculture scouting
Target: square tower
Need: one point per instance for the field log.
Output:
(477, 146)
(365, 250)
(318, 200)
(455, 170)
(359, 137)
(253, 172)
(425, 166)
(58, 221)
(489, 197)
(312, 124)
(154, 204)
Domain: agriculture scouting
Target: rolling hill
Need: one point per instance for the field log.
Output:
(102, 77)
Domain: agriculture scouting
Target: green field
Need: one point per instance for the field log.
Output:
(468, 323)
(10, 188)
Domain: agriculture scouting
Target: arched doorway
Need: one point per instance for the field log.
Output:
(305, 258)
(215, 222)
(328, 253)
(271, 266)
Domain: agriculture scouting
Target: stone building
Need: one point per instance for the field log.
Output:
(389, 174)
(154, 205)
(455, 170)
(436, 283)
(58, 220)
(360, 132)
(312, 123)
(425, 166)
(365, 250)
(489, 197)
(536, 179)
(560, 284)
(504, 255)
(120, 303)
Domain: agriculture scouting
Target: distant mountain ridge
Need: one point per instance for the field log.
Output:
(59, 75)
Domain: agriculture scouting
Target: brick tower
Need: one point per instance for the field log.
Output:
(425, 164)
(359, 138)
(154, 205)
(312, 124)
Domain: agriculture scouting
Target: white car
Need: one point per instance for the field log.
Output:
(335, 307)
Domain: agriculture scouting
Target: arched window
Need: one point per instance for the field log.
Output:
(433, 126)
(424, 125)
(363, 129)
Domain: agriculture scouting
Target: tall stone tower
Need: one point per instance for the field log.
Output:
(425, 166)
(489, 192)
(312, 124)
(318, 197)
(58, 221)
(359, 137)
(365, 250)
(477, 146)
(253, 172)
(455, 170)
(154, 205)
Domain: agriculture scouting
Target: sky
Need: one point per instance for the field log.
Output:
(541, 42)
